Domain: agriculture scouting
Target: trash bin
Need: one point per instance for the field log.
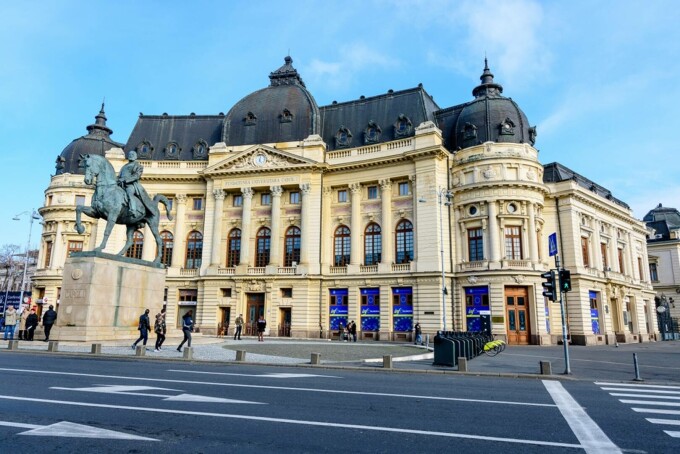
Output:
(444, 351)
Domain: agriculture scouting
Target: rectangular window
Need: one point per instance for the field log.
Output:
(513, 243)
(49, 200)
(594, 312)
(585, 253)
(188, 300)
(653, 272)
(266, 199)
(286, 293)
(372, 192)
(621, 269)
(337, 308)
(48, 253)
(80, 200)
(603, 251)
(238, 200)
(342, 196)
(226, 292)
(74, 246)
(295, 198)
(642, 274)
(477, 309)
(402, 309)
(370, 309)
(476, 244)
(198, 203)
(403, 188)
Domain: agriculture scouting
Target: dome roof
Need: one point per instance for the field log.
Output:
(490, 117)
(97, 141)
(661, 213)
(283, 112)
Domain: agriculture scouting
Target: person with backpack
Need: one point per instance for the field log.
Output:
(160, 329)
(187, 328)
(144, 328)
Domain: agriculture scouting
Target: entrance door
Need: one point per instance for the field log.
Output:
(284, 324)
(255, 308)
(223, 326)
(517, 315)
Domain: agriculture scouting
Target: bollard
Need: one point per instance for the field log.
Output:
(462, 364)
(13, 345)
(316, 359)
(96, 349)
(53, 346)
(546, 367)
(188, 353)
(240, 355)
(427, 341)
(387, 361)
(637, 368)
(140, 350)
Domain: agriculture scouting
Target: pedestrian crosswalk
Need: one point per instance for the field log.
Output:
(650, 400)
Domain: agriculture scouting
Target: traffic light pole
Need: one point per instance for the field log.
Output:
(567, 366)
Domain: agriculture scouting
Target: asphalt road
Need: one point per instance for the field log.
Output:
(66, 404)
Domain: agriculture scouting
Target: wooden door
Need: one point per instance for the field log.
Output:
(284, 324)
(255, 308)
(517, 315)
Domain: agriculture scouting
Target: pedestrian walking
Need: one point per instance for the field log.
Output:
(352, 328)
(144, 327)
(239, 326)
(419, 334)
(31, 324)
(22, 324)
(187, 328)
(160, 329)
(261, 325)
(10, 322)
(49, 317)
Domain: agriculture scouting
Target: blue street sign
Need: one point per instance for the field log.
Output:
(552, 244)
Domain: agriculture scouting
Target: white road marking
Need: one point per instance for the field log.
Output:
(282, 388)
(673, 433)
(602, 383)
(650, 391)
(279, 375)
(589, 434)
(73, 430)
(669, 422)
(657, 410)
(129, 391)
(645, 396)
(398, 430)
(648, 402)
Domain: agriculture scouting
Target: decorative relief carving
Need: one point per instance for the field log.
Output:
(218, 194)
(355, 188)
(531, 175)
(385, 185)
(489, 173)
(276, 191)
(181, 198)
(472, 279)
(247, 193)
(305, 188)
(518, 278)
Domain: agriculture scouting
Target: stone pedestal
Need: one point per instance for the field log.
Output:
(103, 295)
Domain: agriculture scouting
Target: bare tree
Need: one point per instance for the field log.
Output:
(8, 264)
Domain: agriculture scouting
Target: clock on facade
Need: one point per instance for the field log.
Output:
(260, 159)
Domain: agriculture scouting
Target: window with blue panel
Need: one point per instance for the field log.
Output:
(370, 309)
(476, 306)
(337, 308)
(594, 312)
(402, 309)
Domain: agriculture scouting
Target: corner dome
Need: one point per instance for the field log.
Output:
(662, 213)
(97, 141)
(283, 112)
(491, 117)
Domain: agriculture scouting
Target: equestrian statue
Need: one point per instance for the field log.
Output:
(121, 200)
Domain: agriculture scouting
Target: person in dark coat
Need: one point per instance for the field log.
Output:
(144, 328)
(160, 329)
(187, 328)
(31, 324)
(352, 328)
(261, 325)
(49, 318)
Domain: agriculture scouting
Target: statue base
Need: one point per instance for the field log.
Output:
(103, 295)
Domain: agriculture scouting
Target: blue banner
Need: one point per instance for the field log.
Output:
(12, 299)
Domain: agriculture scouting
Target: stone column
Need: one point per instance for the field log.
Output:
(305, 218)
(149, 247)
(387, 256)
(178, 252)
(57, 261)
(245, 225)
(327, 231)
(597, 249)
(533, 237)
(275, 245)
(217, 227)
(355, 234)
(629, 256)
(494, 236)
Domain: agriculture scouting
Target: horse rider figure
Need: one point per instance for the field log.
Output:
(128, 179)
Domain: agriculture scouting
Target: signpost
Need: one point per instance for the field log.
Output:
(565, 286)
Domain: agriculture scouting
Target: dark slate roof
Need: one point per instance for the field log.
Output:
(662, 220)
(186, 131)
(97, 141)
(415, 105)
(556, 172)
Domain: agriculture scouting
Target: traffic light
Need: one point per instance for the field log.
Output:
(549, 290)
(565, 281)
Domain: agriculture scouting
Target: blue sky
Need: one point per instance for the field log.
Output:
(599, 79)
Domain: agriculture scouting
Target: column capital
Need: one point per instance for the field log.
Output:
(218, 194)
(385, 185)
(306, 188)
(247, 193)
(181, 198)
(355, 188)
(327, 191)
(276, 191)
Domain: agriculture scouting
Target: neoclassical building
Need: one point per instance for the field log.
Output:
(386, 210)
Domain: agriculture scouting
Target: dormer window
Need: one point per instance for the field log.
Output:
(250, 119)
(285, 116)
(144, 150)
(372, 133)
(343, 138)
(469, 131)
(507, 127)
(172, 150)
(200, 150)
(402, 127)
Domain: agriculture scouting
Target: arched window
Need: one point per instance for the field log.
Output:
(404, 242)
(342, 249)
(263, 247)
(372, 244)
(194, 250)
(292, 246)
(234, 248)
(135, 250)
(167, 246)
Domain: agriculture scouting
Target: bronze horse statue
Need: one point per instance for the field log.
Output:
(109, 202)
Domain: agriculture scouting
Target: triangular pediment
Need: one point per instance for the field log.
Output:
(259, 158)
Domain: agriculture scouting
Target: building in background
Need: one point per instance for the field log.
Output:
(386, 210)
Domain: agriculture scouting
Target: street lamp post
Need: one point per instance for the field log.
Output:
(32, 216)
